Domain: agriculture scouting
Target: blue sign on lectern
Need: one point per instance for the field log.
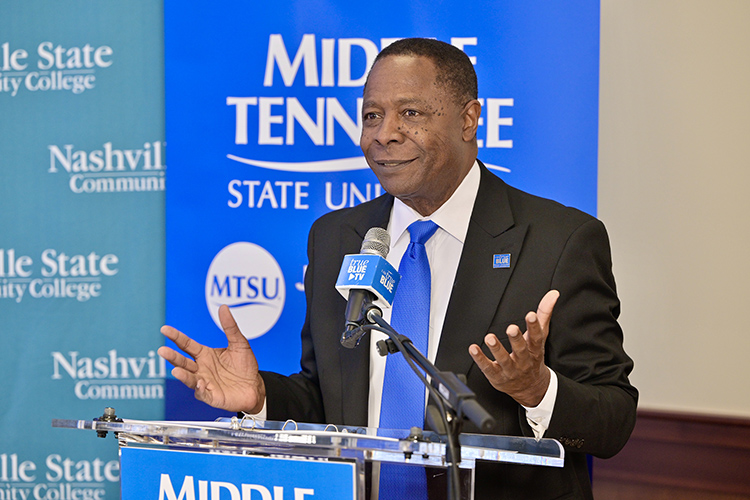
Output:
(187, 475)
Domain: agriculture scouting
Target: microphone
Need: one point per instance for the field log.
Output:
(368, 282)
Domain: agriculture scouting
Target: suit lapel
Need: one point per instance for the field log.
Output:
(355, 363)
(479, 286)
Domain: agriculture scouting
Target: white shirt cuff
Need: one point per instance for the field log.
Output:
(539, 416)
(263, 413)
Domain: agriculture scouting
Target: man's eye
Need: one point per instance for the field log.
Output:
(370, 116)
(411, 113)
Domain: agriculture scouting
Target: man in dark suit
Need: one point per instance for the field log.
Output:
(566, 377)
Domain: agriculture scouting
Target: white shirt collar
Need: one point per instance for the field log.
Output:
(453, 216)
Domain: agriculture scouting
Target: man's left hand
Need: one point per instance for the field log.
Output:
(521, 374)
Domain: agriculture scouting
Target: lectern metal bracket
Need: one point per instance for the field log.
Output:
(108, 416)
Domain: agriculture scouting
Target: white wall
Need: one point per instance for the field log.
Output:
(674, 192)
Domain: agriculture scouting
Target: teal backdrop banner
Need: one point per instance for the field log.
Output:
(82, 177)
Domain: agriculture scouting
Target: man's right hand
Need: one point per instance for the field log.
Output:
(225, 378)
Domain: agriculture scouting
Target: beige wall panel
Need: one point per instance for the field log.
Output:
(674, 192)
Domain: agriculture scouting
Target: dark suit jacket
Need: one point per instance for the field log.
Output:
(551, 247)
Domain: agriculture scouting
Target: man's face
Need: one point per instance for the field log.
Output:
(413, 133)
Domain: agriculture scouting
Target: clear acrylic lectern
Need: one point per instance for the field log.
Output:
(247, 459)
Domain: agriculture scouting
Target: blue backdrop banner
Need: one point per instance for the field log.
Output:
(263, 122)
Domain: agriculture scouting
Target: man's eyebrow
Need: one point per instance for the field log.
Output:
(404, 101)
(410, 100)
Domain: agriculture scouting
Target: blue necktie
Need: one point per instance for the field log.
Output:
(402, 406)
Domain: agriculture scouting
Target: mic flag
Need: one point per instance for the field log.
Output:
(369, 270)
(368, 282)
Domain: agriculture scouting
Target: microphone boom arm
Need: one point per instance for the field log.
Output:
(453, 397)
(451, 389)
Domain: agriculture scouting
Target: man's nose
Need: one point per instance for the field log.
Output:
(389, 131)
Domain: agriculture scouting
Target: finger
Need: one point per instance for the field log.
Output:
(546, 305)
(182, 341)
(537, 324)
(488, 367)
(184, 376)
(231, 330)
(202, 392)
(168, 353)
(517, 340)
(533, 325)
(535, 335)
(501, 356)
(177, 359)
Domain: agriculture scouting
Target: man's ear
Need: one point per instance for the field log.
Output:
(471, 113)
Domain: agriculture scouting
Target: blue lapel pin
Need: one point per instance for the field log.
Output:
(501, 260)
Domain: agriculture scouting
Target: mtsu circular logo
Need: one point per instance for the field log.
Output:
(248, 279)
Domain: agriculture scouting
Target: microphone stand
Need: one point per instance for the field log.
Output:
(454, 398)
